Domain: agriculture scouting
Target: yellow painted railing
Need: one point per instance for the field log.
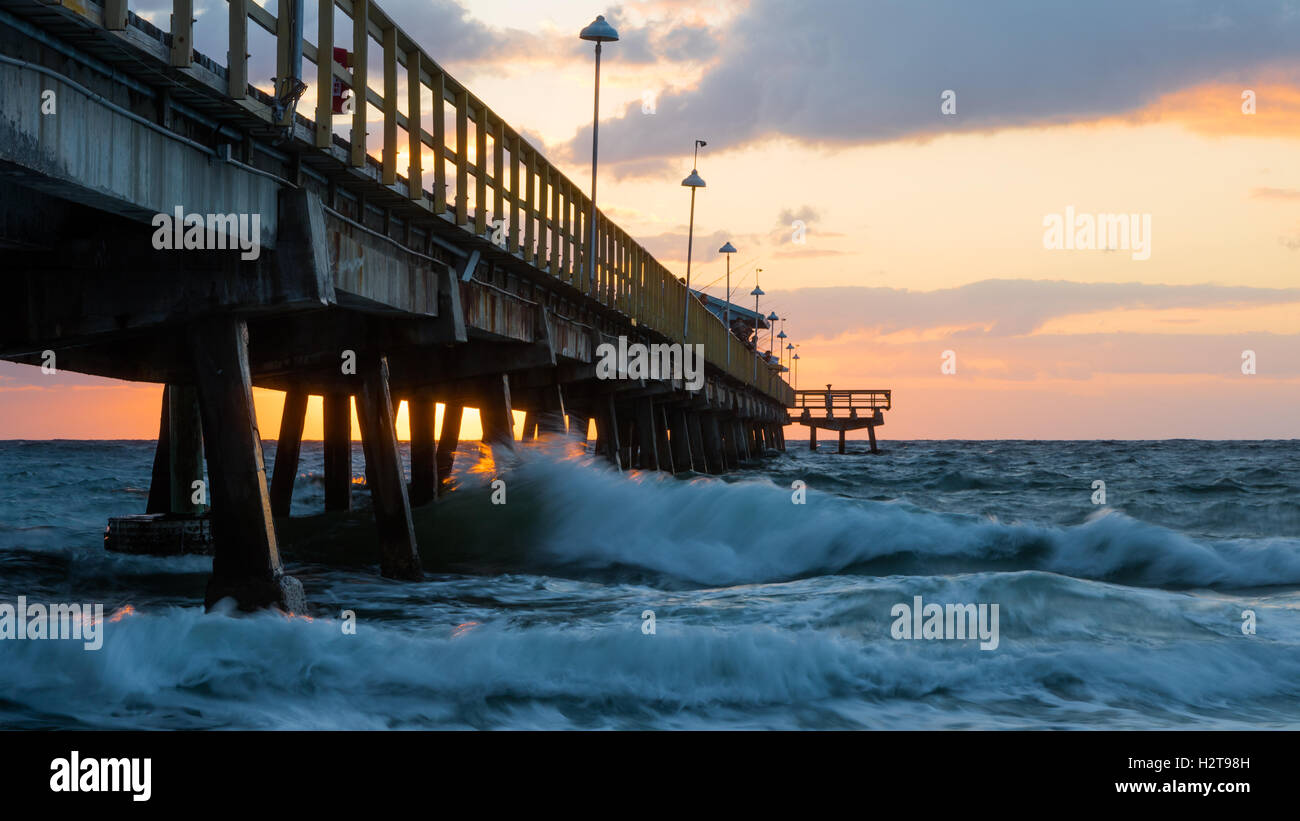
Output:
(534, 210)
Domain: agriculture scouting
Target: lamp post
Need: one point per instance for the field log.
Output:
(756, 293)
(692, 181)
(780, 349)
(727, 249)
(771, 331)
(795, 360)
(597, 32)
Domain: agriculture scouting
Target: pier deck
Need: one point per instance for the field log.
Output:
(454, 266)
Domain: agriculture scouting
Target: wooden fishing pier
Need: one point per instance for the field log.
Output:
(455, 266)
(858, 408)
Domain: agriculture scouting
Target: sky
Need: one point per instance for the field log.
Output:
(892, 169)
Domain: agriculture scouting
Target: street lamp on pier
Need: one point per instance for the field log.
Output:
(597, 32)
(727, 249)
(756, 293)
(692, 181)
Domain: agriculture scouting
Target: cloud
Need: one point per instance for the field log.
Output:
(809, 253)
(996, 307)
(1068, 356)
(841, 72)
(1275, 194)
(671, 246)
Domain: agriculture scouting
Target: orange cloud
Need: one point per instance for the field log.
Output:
(1216, 109)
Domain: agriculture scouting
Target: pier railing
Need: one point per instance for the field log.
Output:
(842, 399)
(488, 180)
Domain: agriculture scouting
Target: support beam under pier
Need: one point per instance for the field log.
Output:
(648, 457)
(338, 451)
(448, 439)
(494, 412)
(399, 557)
(699, 463)
(160, 487)
(607, 431)
(246, 563)
(730, 445)
(578, 424)
(424, 454)
(663, 443)
(681, 439)
(288, 447)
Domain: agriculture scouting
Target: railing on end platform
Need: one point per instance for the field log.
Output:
(831, 400)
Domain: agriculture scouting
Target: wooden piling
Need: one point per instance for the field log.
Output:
(399, 557)
(550, 418)
(246, 563)
(871, 433)
(648, 458)
(730, 447)
(699, 463)
(338, 451)
(530, 427)
(626, 440)
(288, 448)
(494, 412)
(841, 450)
(578, 425)
(185, 453)
(713, 444)
(448, 439)
(160, 486)
(681, 439)
(742, 441)
(812, 437)
(607, 432)
(424, 454)
(663, 441)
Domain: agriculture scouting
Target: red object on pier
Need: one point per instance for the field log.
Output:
(341, 89)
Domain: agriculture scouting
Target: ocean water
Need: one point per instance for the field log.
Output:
(767, 613)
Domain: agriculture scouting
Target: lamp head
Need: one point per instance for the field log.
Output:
(693, 180)
(727, 249)
(599, 31)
